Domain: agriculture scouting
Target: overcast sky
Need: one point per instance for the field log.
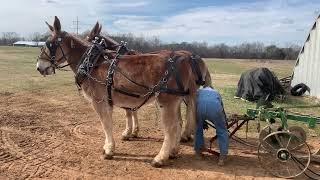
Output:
(213, 21)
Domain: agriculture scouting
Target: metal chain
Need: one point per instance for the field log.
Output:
(95, 79)
(155, 90)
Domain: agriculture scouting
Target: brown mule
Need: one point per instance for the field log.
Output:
(132, 125)
(147, 69)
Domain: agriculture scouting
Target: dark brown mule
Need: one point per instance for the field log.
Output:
(146, 69)
(132, 123)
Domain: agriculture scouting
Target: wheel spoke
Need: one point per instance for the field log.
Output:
(288, 171)
(295, 147)
(278, 139)
(299, 166)
(272, 148)
(289, 142)
(274, 160)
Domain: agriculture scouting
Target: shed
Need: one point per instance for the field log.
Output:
(307, 67)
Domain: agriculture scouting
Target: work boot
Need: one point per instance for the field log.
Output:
(222, 160)
(199, 154)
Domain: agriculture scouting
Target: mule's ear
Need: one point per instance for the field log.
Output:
(50, 27)
(56, 24)
(95, 30)
(100, 28)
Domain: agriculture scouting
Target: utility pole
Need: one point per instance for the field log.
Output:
(76, 23)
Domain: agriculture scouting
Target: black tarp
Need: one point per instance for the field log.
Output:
(258, 83)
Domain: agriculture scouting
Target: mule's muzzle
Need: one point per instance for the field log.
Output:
(46, 71)
(42, 72)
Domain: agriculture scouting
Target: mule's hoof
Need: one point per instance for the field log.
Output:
(107, 156)
(156, 164)
(135, 133)
(184, 139)
(125, 138)
(173, 156)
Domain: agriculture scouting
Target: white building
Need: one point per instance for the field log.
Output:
(28, 43)
(307, 68)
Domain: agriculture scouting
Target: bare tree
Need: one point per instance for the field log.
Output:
(9, 38)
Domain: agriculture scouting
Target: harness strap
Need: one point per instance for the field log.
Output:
(139, 106)
(175, 92)
(110, 78)
(126, 76)
(88, 60)
(161, 87)
(196, 69)
(126, 93)
(177, 75)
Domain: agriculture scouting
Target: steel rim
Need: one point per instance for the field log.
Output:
(278, 155)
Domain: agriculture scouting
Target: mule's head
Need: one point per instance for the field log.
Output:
(53, 53)
(95, 32)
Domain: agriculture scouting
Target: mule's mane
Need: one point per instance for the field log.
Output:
(77, 40)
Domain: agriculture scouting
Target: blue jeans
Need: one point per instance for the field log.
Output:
(210, 107)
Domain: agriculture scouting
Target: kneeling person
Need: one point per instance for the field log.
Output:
(210, 107)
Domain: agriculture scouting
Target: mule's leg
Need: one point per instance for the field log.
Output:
(175, 148)
(135, 127)
(127, 132)
(190, 122)
(105, 113)
(170, 122)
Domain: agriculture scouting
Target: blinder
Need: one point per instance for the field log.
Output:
(52, 46)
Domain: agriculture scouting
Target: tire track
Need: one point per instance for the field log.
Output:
(31, 151)
(34, 150)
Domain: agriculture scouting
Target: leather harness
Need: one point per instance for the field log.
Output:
(90, 58)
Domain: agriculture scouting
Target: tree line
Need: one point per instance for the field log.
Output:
(255, 50)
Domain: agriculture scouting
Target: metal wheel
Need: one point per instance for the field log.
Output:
(264, 133)
(300, 133)
(279, 155)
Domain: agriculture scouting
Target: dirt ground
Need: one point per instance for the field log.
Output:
(45, 135)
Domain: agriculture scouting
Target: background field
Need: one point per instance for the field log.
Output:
(48, 130)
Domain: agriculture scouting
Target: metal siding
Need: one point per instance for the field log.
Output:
(316, 67)
(307, 62)
(310, 61)
(297, 78)
(308, 69)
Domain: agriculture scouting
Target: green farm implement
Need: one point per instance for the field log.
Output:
(282, 149)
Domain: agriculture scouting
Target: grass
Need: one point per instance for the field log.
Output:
(226, 73)
(18, 74)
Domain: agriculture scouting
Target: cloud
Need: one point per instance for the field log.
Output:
(267, 21)
(272, 21)
(50, 1)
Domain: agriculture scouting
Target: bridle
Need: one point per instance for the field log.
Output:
(52, 46)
